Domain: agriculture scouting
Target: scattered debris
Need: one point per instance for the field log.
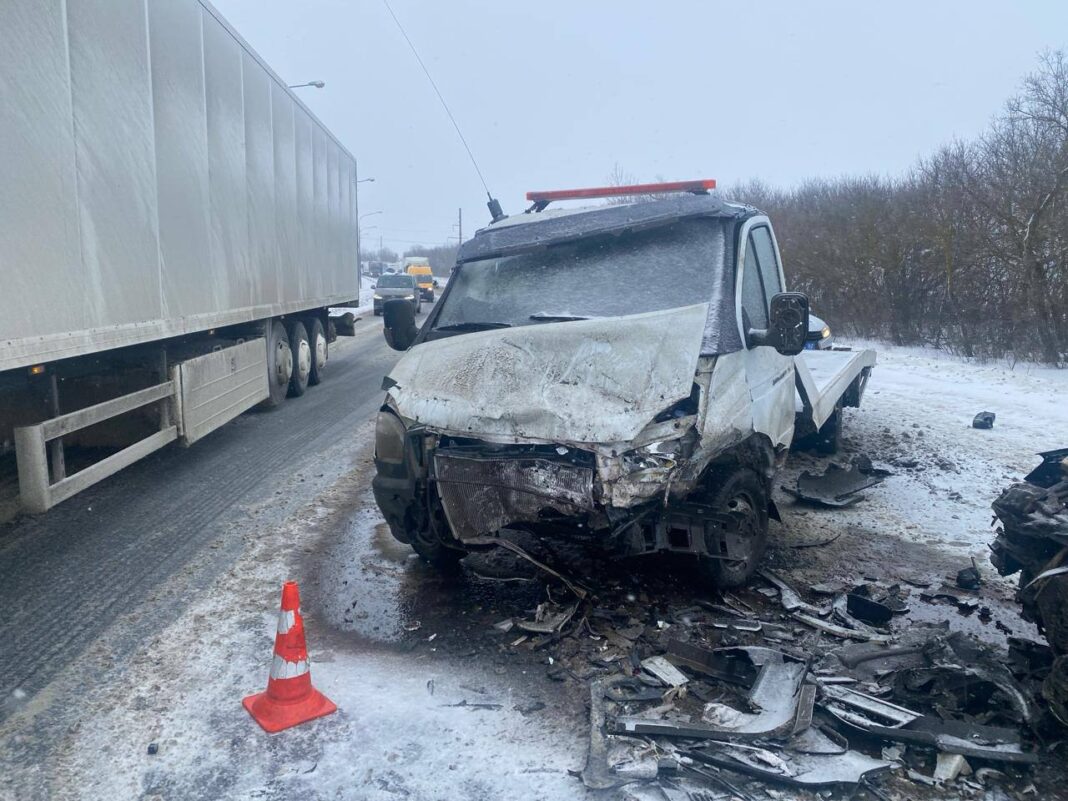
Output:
(464, 704)
(666, 672)
(969, 578)
(1033, 540)
(153, 748)
(529, 708)
(949, 766)
(500, 542)
(548, 618)
(817, 543)
(984, 420)
(837, 486)
(863, 608)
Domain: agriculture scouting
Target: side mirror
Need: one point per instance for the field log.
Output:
(398, 327)
(788, 324)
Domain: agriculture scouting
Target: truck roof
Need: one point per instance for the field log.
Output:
(538, 229)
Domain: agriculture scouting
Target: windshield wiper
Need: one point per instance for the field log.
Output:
(557, 317)
(471, 326)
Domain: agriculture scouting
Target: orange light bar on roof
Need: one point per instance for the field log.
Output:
(701, 187)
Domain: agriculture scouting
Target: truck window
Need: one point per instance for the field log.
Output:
(769, 265)
(603, 276)
(754, 301)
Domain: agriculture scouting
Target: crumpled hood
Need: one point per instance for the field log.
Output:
(586, 381)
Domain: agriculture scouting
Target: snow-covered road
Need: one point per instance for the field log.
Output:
(407, 656)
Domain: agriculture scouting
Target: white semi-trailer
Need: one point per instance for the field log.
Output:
(174, 224)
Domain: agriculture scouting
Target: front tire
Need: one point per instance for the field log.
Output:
(743, 495)
(430, 547)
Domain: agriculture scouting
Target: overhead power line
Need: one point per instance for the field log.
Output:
(437, 91)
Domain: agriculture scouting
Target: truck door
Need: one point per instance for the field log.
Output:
(769, 374)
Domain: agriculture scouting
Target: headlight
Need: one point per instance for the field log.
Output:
(657, 455)
(826, 332)
(378, 297)
(389, 438)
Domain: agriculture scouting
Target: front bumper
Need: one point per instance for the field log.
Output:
(482, 493)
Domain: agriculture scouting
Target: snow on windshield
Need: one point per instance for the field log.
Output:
(605, 276)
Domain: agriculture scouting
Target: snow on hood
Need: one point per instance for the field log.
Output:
(586, 381)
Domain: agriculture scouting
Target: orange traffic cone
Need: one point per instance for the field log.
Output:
(290, 698)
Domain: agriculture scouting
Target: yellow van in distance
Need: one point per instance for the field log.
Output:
(419, 266)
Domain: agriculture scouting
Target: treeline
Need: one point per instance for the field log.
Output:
(969, 251)
(442, 258)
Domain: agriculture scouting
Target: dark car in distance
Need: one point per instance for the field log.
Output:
(393, 286)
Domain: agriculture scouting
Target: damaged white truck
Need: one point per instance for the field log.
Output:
(631, 374)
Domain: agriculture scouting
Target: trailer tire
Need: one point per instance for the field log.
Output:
(743, 495)
(279, 364)
(320, 351)
(302, 358)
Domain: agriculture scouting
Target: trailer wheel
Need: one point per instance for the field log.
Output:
(320, 351)
(302, 358)
(742, 495)
(279, 364)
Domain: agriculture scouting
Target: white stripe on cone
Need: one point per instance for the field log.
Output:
(286, 620)
(281, 669)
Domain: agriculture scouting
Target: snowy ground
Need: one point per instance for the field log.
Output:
(397, 648)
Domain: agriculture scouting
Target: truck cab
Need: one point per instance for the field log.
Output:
(623, 373)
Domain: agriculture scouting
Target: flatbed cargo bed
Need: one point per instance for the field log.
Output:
(824, 377)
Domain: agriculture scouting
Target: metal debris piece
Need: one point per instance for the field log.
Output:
(828, 588)
(817, 543)
(732, 624)
(892, 722)
(839, 631)
(670, 675)
(949, 766)
(464, 704)
(969, 578)
(984, 420)
(865, 609)
(548, 619)
(789, 598)
(505, 625)
(508, 545)
(775, 694)
(596, 774)
(837, 486)
(789, 767)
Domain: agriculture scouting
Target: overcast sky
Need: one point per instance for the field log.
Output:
(552, 94)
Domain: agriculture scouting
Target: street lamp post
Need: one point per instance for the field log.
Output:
(356, 209)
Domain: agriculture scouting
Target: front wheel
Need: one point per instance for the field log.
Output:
(430, 547)
(741, 494)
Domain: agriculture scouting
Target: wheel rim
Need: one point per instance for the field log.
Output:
(320, 352)
(303, 360)
(283, 363)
